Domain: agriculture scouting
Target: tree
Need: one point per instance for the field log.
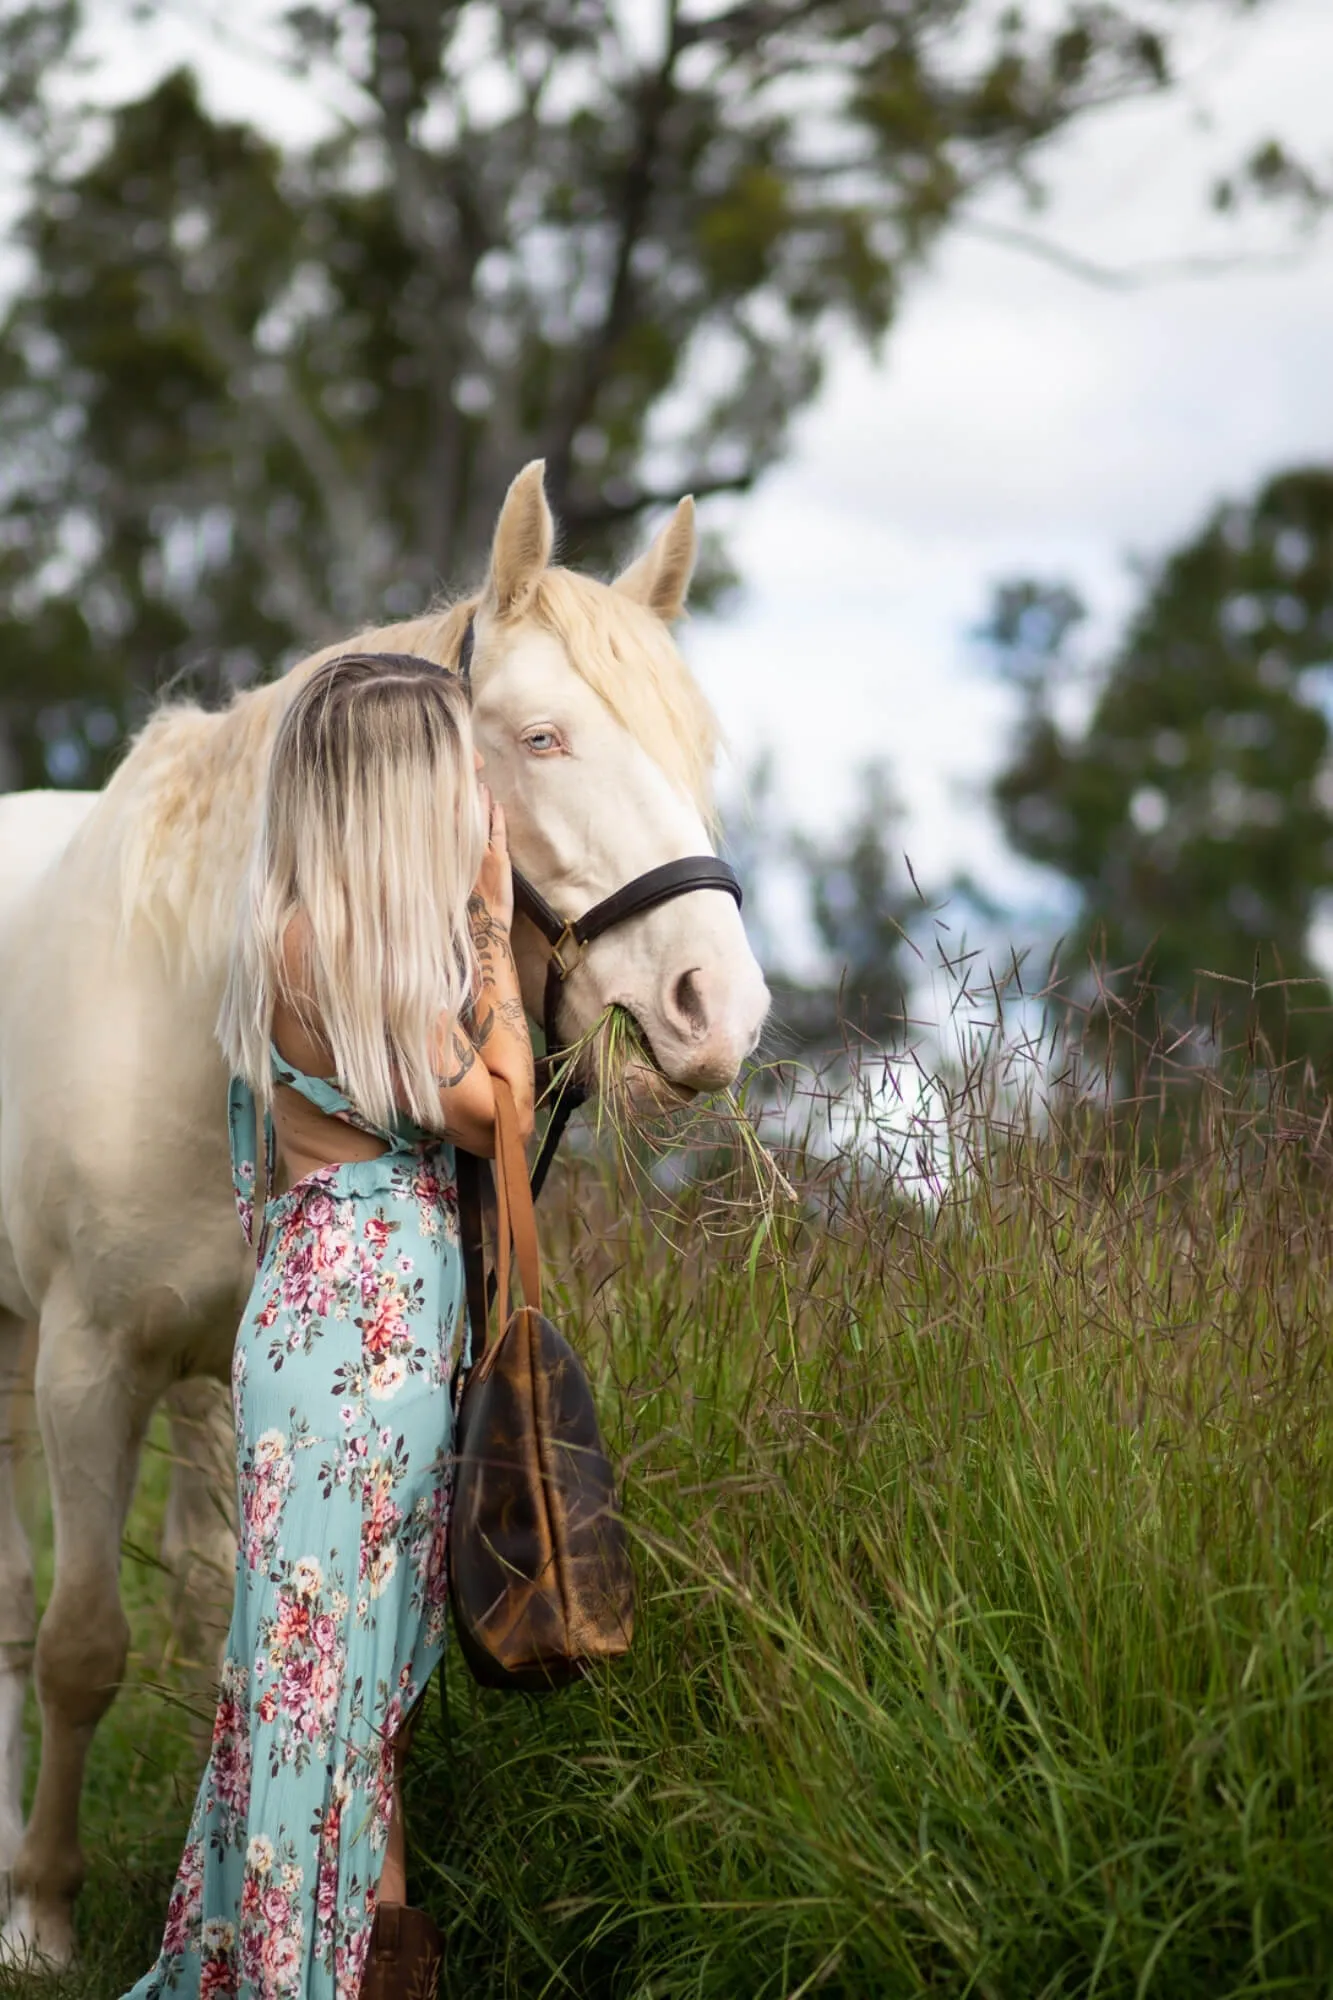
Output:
(860, 903)
(1193, 811)
(250, 394)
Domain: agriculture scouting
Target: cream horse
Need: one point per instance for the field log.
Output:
(117, 1231)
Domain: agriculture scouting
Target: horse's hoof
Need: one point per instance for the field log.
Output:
(35, 1939)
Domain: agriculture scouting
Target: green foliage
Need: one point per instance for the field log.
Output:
(253, 394)
(860, 904)
(1193, 810)
(985, 1602)
(984, 1644)
(144, 1770)
(1274, 174)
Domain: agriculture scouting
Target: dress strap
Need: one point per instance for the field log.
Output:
(243, 1125)
(321, 1091)
(327, 1096)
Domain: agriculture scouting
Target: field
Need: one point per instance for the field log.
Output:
(986, 1559)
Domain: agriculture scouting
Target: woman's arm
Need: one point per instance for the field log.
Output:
(497, 1031)
(499, 1021)
(499, 1024)
(467, 1100)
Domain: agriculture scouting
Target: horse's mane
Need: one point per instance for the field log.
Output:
(627, 656)
(175, 822)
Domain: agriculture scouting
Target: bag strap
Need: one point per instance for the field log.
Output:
(517, 1218)
(516, 1223)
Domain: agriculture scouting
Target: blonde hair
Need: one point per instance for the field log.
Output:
(372, 828)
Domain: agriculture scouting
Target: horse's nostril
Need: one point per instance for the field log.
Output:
(689, 1002)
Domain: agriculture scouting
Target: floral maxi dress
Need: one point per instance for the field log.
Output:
(343, 1426)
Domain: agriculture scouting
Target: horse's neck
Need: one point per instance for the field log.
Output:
(173, 828)
(177, 821)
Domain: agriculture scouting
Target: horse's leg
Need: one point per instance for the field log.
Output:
(199, 1530)
(17, 1617)
(93, 1408)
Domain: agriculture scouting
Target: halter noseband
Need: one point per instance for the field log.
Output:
(568, 937)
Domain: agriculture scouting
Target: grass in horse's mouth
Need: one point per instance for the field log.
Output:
(622, 1042)
(615, 1043)
(652, 1108)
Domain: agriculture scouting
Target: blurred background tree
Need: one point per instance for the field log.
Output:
(1191, 811)
(849, 906)
(252, 394)
(862, 903)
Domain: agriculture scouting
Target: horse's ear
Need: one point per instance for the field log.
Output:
(661, 576)
(524, 538)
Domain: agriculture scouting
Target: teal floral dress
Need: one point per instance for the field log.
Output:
(340, 1379)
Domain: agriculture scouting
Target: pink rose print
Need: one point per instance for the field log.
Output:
(379, 1525)
(272, 1925)
(265, 1479)
(229, 1762)
(341, 1582)
(385, 1327)
(184, 1909)
(217, 1976)
(292, 1624)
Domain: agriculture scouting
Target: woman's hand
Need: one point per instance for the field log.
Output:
(497, 1024)
(494, 886)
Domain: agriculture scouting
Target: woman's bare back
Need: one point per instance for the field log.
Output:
(307, 1137)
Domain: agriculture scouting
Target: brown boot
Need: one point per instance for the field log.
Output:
(405, 1956)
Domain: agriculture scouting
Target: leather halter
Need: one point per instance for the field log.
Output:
(569, 937)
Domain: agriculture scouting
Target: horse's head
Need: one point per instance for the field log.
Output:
(600, 745)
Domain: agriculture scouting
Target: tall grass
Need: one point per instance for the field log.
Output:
(985, 1549)
(987, 1584)
(144, 1765)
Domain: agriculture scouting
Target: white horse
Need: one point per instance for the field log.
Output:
(117, 1231)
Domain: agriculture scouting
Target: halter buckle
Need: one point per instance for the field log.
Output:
(566, 942)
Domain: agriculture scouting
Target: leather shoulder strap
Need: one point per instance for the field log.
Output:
(517, 1219)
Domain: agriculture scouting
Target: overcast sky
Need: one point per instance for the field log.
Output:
(1022, 420)
(1018, 420)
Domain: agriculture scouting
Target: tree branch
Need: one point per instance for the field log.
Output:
(286, 579)
(1126, 278)
(752, 24)
(356, 528)
(603, 512)
(636, 190)
(420, 180)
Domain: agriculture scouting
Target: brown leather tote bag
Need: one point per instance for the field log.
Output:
(539, 1569)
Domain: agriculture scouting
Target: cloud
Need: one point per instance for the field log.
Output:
(1025, 421)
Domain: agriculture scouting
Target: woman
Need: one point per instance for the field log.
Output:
(372, 948)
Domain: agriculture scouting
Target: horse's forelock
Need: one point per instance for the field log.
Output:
(629, 659)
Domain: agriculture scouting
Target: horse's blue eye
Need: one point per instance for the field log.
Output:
(540, 739)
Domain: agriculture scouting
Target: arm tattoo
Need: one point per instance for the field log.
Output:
(508, 1012)
(490, 941)
(464, 1055)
